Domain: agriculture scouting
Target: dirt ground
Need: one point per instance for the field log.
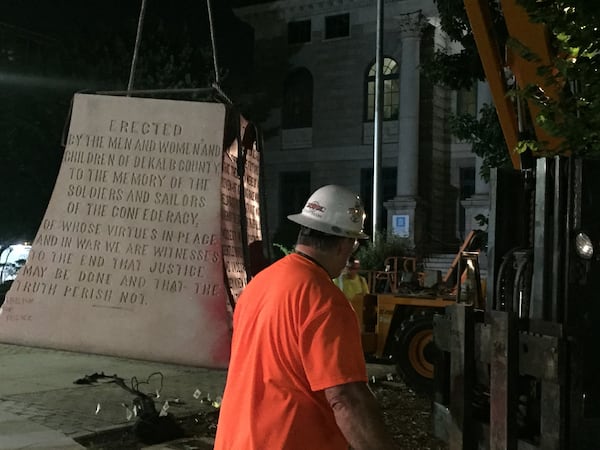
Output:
(407, 415)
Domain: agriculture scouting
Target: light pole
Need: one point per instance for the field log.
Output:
(378, 120)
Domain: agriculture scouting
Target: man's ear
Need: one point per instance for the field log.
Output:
(342, 246)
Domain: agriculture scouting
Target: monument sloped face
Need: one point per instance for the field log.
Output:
(128, 260)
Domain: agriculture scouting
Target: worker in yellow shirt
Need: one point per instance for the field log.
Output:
(350, 282)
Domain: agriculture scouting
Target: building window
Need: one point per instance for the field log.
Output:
(391, 91)
(294, 189)
(299, 32)
(337, 26)
(388, 183)
(466, 190)
(466, 101)
(297, 100)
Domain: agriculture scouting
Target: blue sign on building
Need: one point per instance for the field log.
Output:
(400, 225)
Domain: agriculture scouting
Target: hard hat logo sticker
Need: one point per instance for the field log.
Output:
(355, 213)
(315, 208)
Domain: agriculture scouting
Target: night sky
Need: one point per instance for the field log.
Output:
(99, 19)
(37, 84)
(57, 17)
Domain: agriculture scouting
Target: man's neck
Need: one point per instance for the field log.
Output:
(319, 257)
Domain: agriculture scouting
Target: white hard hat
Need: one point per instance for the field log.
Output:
(333, 210)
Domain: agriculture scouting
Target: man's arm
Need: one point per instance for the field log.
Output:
(358, 416)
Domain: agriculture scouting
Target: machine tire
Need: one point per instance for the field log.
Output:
(415, 351)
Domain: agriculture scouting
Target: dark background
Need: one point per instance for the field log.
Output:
(50, 50)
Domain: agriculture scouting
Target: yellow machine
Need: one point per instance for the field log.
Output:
(397, 320)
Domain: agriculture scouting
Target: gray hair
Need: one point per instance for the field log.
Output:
(318, 240)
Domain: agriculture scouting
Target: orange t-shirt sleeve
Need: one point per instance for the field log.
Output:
(331, 348)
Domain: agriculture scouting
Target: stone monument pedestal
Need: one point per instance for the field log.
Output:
(141, 252)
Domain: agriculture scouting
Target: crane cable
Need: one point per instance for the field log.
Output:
(212, 40)
(217, 83)
(136, 49)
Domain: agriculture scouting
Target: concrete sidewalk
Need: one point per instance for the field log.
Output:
(42, 407)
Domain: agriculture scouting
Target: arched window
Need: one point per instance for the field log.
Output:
(297, 100)
(391, 90)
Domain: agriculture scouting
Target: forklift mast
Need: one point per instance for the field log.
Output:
(522, 372)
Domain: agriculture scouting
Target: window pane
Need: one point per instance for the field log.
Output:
(337, 26)
(390, 91)
(371, 88)
(371, 108)
(387, 98)
(395, 105)
(388, 180)
(388, 85)
(299, 32)
(297, 100)
(466, 101)
(294, 189)
(389, 66)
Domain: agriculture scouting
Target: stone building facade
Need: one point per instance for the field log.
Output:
(315, 63)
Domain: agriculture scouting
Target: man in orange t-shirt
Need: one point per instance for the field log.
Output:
(297, 378)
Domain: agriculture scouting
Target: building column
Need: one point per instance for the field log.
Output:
(479, 202)
(406, 205)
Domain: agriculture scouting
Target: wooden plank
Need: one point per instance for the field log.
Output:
(503, 380)
(461, 431)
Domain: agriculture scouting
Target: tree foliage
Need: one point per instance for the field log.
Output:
(575, 38)
(485, 136)
(462, 69)
(372, 254)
